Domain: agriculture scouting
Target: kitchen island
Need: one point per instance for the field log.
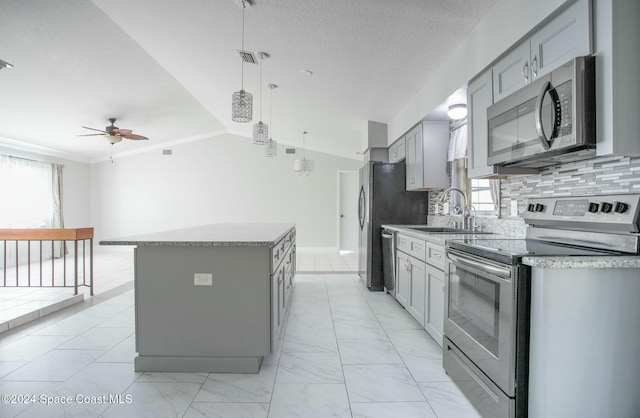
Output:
(211, 298)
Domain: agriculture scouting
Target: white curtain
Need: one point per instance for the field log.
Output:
(456, 158)
(32, 194)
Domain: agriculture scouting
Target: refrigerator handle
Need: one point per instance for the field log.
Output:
(361, 209)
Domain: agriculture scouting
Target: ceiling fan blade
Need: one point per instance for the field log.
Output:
(135, 137)
(94, 129)
(91, 135)
(123, 132)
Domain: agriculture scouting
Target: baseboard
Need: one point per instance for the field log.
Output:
(317, 249)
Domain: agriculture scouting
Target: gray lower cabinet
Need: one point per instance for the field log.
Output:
(403, 285)
(420, 282)
(411, 285)
(417, 305)
(434, 314)
(227, 326)
(281, 286)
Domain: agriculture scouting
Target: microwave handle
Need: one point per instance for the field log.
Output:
(544, 141)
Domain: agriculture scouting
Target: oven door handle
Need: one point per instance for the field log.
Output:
(485, 268)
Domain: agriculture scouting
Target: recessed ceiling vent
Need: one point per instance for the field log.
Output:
(248, 57)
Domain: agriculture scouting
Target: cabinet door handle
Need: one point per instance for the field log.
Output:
(534, 66)
(525, 71)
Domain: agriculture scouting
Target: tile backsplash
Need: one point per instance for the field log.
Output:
(603, 175)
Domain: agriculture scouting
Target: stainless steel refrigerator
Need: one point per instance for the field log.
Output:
(383, 200)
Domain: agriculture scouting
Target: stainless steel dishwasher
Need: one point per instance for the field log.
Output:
(389, 260)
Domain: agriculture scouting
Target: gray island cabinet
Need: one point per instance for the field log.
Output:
(211, 298)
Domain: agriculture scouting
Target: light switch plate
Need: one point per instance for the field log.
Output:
(203, 279)
(514, 208)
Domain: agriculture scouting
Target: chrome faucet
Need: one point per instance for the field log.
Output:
(468, 221)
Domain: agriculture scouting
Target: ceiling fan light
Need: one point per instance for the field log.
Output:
(457, 111)
(242, 106)
(5, 64)
(114, 139)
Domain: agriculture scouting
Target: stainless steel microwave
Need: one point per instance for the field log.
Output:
(549, 121)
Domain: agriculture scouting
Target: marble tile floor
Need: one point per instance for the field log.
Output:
(344, 352)
(327, 262)
(19, 305)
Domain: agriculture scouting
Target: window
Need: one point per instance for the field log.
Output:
(30, 191)
(485, 196)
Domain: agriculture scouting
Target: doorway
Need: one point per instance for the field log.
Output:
(348, 183)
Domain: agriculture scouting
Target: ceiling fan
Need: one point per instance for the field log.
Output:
(115, 134)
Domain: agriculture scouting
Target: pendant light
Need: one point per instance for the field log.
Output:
(303, 166)
(271, 146)
(242, 101)
(260, 129)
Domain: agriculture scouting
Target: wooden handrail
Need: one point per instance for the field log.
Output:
(26, 234)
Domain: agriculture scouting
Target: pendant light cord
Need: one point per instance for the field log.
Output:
(242, 60)
(304, 152)
(270, 112)
(261, 60)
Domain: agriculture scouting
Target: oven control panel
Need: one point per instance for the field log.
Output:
(619, 212)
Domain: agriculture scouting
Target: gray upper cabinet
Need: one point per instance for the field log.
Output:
(564, 37)
(397, 150)
(426, 155)
(479, 98)
(511, 72)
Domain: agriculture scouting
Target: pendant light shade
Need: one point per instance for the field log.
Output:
(260, 129)
(242, 101)
(242, 106)
(260, 133)
(304, 166)
(271, 146)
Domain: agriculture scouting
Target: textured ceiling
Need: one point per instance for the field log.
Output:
(167, 69)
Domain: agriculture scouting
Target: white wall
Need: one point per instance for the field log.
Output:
(75, 192)
(221, 179)
(503, 26)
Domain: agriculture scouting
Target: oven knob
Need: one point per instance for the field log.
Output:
(606, 207)
(593, 207)
(620, 207)
(531, 207)
(539, 207)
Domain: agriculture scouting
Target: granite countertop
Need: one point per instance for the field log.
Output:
(564, 262)
(214, 235)
(577, 262)
(439, 238)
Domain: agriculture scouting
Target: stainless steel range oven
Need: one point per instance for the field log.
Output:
(488, 319)
(488, 292)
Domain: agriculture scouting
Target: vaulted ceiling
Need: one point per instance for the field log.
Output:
(167, 68)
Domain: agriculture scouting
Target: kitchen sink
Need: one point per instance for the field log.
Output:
(443, 230)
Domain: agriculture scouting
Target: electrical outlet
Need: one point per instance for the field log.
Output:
(514, 208)
(203, 279)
